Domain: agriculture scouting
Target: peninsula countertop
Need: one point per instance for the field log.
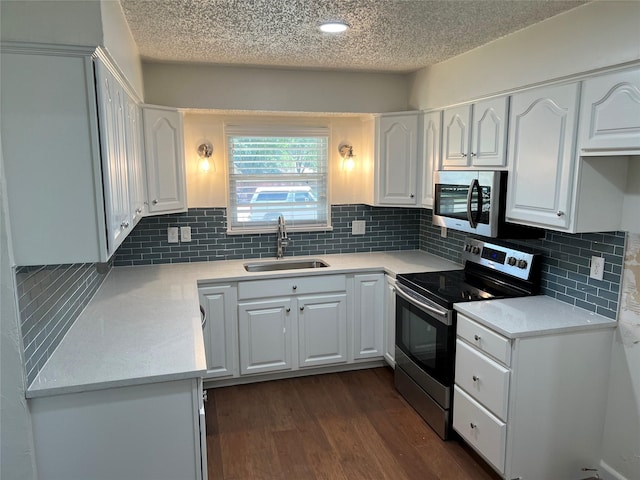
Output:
(143, 324)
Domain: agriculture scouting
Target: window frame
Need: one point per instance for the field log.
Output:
(248, 130)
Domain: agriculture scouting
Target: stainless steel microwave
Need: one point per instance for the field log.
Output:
(474, 201)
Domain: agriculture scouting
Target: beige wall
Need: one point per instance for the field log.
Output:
(264, 89)
(209, 189)
(119, 42)
(592, 36)
(63, 22)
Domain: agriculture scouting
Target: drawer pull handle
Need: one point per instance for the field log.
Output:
(288, 310)
(475, 378)
(473, 425)
(295, 287)
(302, 308)
(476, 338)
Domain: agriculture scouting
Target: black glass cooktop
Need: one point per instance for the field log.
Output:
(453, 286)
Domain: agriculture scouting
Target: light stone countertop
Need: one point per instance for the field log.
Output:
(143, 324)
(532, 316)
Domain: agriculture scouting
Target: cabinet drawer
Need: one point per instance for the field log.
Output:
(480, 429)
(481, 337)
(485, 380)
(291, 286)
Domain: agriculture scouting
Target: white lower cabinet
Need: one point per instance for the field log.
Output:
(143, 432)
(290, 324)
(322, 330)
(264, 328)
(535, 409)
(368, 316)
(218, 304)
(390, 320)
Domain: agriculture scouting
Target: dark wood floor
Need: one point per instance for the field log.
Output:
(350, 426)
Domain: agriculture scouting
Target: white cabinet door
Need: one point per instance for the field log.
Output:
(541, 160)
(476, 135)
(431, 145)
(265, 338)
(164, 151)
(610, 114)
(112, 111)
(390, 320)
(135, 161)
(368, 316)
(220, 329)
(455, 141)
(489, 133)
(322, 330)
(397, 159)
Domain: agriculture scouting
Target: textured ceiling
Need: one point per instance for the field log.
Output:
(386, 35)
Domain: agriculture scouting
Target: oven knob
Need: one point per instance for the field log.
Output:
(467, 248)
(511, 261)
(475, 250)
(522, 264)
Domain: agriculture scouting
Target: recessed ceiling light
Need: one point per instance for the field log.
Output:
(334, 27)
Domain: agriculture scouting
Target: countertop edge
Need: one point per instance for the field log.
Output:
(128, 382)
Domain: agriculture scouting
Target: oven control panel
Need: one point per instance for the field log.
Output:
(500, 257)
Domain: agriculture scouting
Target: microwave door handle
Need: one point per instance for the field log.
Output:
(480, 202)
(472, 186)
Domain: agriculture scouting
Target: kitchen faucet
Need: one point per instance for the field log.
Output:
(283, 239)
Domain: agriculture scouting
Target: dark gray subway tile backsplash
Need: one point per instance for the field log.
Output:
(565, 266)
(50, 299)
(386, 229)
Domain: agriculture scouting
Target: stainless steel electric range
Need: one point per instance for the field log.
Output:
(426, 320)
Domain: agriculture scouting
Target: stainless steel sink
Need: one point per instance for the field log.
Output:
(284, 265)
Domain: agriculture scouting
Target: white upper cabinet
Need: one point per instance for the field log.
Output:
(113, 112)
(164, 151)
(65, 150)
(542, 131)
(610, 114)
(135, 160)
(476, 135)
(431, 146)
(396, 171)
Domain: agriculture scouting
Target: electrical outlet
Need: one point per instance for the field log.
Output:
(597, 267)
(185, 234)
(443, 232)
(358, 227)
(172, 235)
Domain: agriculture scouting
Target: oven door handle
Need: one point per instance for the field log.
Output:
(474, 185)
(442, 315)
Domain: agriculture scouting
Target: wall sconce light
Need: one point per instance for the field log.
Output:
(346, 152)
(205, 151)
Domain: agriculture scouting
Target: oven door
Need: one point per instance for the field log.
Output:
(467, 201)
(425, 337)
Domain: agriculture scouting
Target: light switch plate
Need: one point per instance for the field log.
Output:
(597, 268)
(185, 234)
(443, 232)
(172, 235)
(358, 227)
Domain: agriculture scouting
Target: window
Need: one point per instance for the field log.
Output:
(277, 171)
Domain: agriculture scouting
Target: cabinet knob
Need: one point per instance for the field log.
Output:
(472, 425)
(559, 213)
(138, 211)
(124, 225)
(412, 195)
(475, 378)
(295, 287)
(288, 310)
(155, 201)
(464, 155)
(302, 308)
(473, 154)
(476, 338)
